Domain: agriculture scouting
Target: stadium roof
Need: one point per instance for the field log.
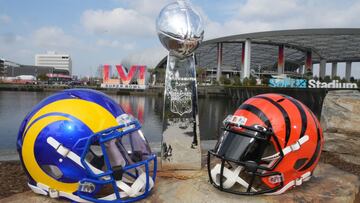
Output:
(332, 45)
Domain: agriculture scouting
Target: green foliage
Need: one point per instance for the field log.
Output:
(246, 81)
(265, 81)
(337, 78)
(237, 81)
(224, 80)
(327, 79)
(252, 81)
(352, 79)
(215, 82)
(201, 74)
(43, 77)
(343, 80)
(308, 74)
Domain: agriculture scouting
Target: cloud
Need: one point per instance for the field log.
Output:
(148, 7)
(266, 9)
(149, 57)
(265, 15)
(53, 37)
(119, 22)
(5, 19)
(10, 38)
(115, 44)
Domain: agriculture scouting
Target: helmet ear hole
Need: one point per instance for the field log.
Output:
(299, 163)
(53, 171)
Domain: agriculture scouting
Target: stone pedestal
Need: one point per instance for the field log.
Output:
(340, 120)
(329, 185)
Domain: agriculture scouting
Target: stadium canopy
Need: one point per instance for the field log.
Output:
(279, 52)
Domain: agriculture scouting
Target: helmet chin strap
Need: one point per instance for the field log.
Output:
(137, 187)
(291, 148)
(304, 177)
(232, 177)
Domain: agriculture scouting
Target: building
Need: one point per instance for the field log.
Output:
(61, 62)
(290, 52)
(13, 69)
(2, 67)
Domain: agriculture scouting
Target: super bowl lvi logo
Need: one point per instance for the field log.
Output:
(181, 102)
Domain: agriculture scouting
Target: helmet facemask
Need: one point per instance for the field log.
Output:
(243, 160)
(120, 162)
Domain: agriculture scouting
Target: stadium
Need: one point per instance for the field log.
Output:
(286, 53)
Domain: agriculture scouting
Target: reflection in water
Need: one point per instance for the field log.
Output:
(148, 109)
(212, 111)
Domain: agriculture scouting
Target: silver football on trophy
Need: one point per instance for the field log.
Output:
(180, 28)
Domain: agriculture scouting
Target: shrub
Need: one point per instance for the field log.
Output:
(327, 79)
(246, 81)
(224, 80)
(237, 81)
(252, 81)
(265, 81)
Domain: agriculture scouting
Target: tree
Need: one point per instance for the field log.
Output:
(224, 80)
(308, 74)
(43, 77)
(336, 78)
(200, 72)
(246, 81)
(352, 79)
(160, 74)
(327, 79)
(237, 81)
(252, 81)
(265, 81)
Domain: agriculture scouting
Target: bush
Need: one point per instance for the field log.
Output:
(308, 74)
(337, 78)
(327, 79)
(224, 80)
(252, 81)
(237, 81)
(246, 81)
(265, 81)
(215, 82)
(352, 79)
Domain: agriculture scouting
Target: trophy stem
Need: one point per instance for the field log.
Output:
(181, 136)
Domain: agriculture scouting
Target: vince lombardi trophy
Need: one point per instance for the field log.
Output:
(180, 29)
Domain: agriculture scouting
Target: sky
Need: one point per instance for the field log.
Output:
(97, 32)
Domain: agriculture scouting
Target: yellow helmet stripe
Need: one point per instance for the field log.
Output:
(96, 117)
(30, 161)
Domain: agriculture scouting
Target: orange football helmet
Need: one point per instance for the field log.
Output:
(272, 143)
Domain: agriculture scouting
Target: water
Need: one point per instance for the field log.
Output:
(148, 109)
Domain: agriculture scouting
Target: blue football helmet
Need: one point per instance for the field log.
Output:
(80, 145)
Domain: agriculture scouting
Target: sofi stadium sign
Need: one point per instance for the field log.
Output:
(134, 78)
(302, 83)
